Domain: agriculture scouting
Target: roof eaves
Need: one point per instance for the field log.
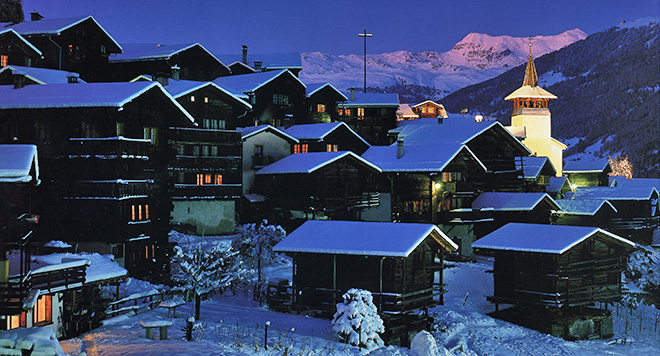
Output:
(23, 39)
(277, 76)
(176, 103)
(106, 33)
(327, 85)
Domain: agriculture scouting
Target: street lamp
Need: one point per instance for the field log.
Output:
(365, 35)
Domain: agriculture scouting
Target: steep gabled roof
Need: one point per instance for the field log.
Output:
(588, 166)
(179, 88)
(417, 158)
(583, 207)
(507, 201)
(57, 26)
(554, 239)
(249, 83)
(428, 102)
(241, 64)
(361, 238)
(271, 61)
(17, 162)
(247, 132)
(11, 31)
(618, 181)
(42, 75)
(79, 95)
(614, 193)
(556, 184)
(319, 131)
(136, 52)
(305, 163)
(372, 99)
(314, 87)
(534, 166)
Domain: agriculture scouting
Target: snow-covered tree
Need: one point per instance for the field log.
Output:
(205, 269)
(357, 321)
(255, 242)
(621, 166)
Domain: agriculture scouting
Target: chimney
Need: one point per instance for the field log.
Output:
(162, 79)
(72, 78)
(19, 79)
(35, 16)
(399, 148)
(244, 54)
(258, 64)
(352, 91)
(440, 118)
(176, 72)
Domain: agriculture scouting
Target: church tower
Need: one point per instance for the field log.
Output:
(531, 115)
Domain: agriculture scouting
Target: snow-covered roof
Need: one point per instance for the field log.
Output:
(314, 87)
(12, 31)
(417, 158)
(509, 201)
(16, 162)
(556, 184)
(406, 112)
(532, 92)
(179, 88)
(555, 239)
(135, 52)
(56, 26)
(270, 61)
(372, 99)
(430, 102)
(309, 162)
(250, 131)
(534, 166)
(614, 193)
(42, 75)
(583, 207)
(78, 95)
(239, 63)
(587, 166)
(248, 83)
(618, 181)
(100, 267)
(319, 131)
(361, 238)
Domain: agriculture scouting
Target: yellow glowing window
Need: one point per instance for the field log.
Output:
(146, 211)
(4, 60)
(296, 148)
(200, 179)
(207, 178)
(192, 98)
(360, 112)
(206, 99)
(139, 212)
(17, 321)
(43, 312)
(146, 251)
(320, 108)
(153, 251)
(133, 212)
(331, 148)
(218, 179)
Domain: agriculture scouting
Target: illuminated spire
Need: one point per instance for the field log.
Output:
(531, 78)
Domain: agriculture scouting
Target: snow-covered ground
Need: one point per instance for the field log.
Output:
(234, 325)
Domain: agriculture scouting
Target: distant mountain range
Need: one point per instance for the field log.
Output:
(431, 74)
(608, 89)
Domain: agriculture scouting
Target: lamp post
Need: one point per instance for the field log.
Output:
(365, 35)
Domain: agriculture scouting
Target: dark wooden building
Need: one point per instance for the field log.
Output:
(400, 264)
(319, 185)
(193, 60)
(537, 172)
(32, 75)
(271, 62)
(591, 212)
(371, 115)
(16, 50)
(104, 155)
(78, 44)
(586, 173)
(327, 137)
(322, 100)
(277, 97)
(553, 273)
(558, 187)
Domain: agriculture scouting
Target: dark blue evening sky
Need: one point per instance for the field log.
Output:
(332, 26)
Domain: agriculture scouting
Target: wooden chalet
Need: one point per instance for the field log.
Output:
(588, 173)
(319, 185)
(78, 44)
(401, 264)
(591, 212)
(638, 212)
(327, 137)
(371, 115)
(497, 209)
(322, 100)
(9, 75)
(277, 97)
(553, 274)
(430, 109)
(16, 50)
(537, 172)
(558, 187)
(194, 61)
(104, 155)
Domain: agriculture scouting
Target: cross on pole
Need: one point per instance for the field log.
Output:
(365, 35)
(530, 45)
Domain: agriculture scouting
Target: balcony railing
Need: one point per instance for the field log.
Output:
(109, 189)
(62, 276)
(211, 163)
(110, 147)
(185, 134)
(208, 191)
(13, 295)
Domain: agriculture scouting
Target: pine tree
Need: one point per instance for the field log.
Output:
(255, 243)
(357, 321)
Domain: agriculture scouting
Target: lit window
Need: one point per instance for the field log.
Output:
(17, 321)
(153, 251)
(320, 108)
(300, 148)
(218, 179)
(200, 179)
(206, 99)
(207, 178)
(331, 148)
(304, 148)
(360, 112)
(192, 98)
(296, 148)
(70, 49)
(4, 60)
(140, 212)
(146, 252)
(146, 211)
(133, 212)
(43, 310)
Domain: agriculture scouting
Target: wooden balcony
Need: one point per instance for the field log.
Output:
(12, 296)
(67, 275)
(207, 191)
(109, 189)
(110, 148)
(208, 163)
(195, 135)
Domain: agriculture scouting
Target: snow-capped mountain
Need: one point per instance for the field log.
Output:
(474, 59)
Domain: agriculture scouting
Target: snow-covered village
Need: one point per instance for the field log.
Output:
(335, 190)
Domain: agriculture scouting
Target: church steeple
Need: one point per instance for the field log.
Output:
(531, 78)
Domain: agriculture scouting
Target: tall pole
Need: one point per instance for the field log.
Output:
(365, 35)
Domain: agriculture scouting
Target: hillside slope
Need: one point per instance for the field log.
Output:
(608, 92)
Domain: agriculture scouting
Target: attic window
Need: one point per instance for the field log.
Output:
(139, 212)
(4, 60)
